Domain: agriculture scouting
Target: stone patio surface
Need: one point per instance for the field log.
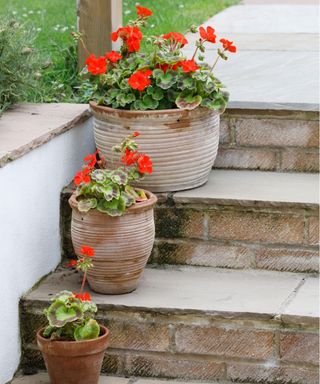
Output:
(277, 59)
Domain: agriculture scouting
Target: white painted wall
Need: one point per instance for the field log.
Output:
(29, 226)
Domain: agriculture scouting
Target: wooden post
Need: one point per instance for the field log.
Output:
(96, 20)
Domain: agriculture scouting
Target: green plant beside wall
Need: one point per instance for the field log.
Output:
(18, 63)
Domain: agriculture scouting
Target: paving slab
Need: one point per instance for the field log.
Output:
(276, 64)
(250, 292)
(276, 18)
(277, 77)
(255, 188)
(27, 126)
(42, 378)
(305, 304)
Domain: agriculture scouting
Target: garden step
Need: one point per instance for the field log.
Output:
(239, 219)
(199, 324)
(42, 378)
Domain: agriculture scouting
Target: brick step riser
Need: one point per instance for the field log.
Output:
(281, 141)
(282, 239)
(194, 346)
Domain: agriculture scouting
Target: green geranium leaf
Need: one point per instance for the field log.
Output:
(100, 175)
(110, 192)
(166, 80)
(119, 177)
(88, 306)
(186, 82)
(90, 330)
(209, 87)
(59, 313)
(84, 205)
(128, 199)
(112, 208)
(155, 93)
(188, 102)
(147, 102)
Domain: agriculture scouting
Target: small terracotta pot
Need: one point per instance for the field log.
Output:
(182, 144)
(122, 244)
(73, 362)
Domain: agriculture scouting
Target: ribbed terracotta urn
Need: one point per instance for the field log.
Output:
(122, 244)
(74, 362)
(182, 144)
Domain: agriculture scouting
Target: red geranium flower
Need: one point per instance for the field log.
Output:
(177, 37)
(87, 251)
(113, 56)
(186, 65)
(140, 80)
(72, 263)
(91, 159)
(82, 177)
(164, 67)
(228, 45)
(85, 296)
(208, 34)
(144, 164)
(136, 134)
(143, 12)
(129, 157)
(96, 65)
(130, 35)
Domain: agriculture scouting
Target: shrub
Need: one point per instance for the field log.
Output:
(17, 63)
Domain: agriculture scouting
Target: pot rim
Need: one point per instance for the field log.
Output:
(127, 112)
(43, 340)
(135, 208)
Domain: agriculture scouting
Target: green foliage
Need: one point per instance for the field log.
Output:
(17, 63)
(71, 318)
(109, 190)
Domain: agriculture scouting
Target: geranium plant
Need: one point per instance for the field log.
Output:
(159, 78)
(108, 189)
(71, 315)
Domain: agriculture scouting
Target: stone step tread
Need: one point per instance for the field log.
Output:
(42, 378)
(28, 126)
(255, 188)
(290, 297)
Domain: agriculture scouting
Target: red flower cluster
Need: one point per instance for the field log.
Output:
(143, 162)
(164, 67)
(140, 79)
(113, 56)
(130, 35)
(228, 45)
(85, 296)
(87, 251)
(96, 65)
(186, 65)
(72, 263)
(176, 37)
(82, 176)
(143, 12)
(208, 35)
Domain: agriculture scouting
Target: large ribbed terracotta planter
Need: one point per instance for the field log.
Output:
(182, 144)
(73, 362)
(122, 244)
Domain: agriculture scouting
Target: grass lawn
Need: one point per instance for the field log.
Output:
(53, 20)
